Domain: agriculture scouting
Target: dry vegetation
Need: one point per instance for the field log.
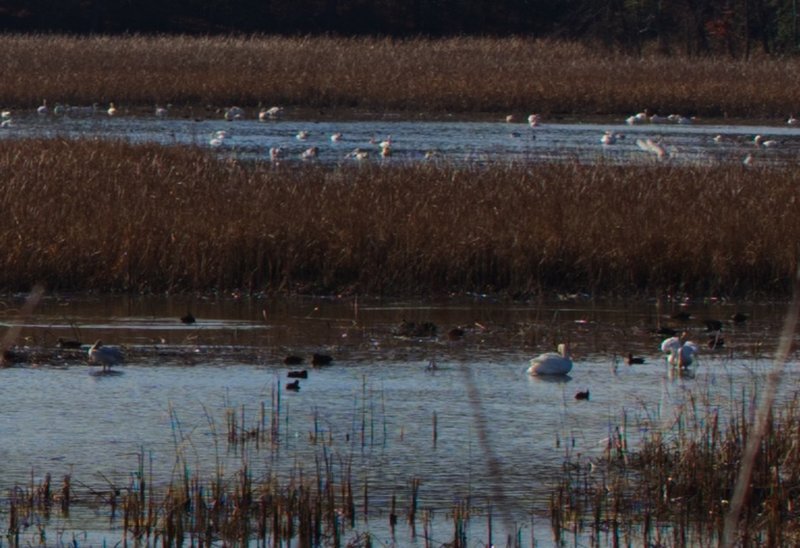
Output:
(676, 487)
(460, 75)
(84, 214)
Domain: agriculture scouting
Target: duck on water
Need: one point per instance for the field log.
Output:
(552, 363)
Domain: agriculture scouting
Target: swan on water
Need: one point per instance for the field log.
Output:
(681, 351)
(105, 355)
(552, 363)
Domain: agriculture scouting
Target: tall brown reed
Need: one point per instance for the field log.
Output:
(143, 217)
(470, 75)
(686, 479)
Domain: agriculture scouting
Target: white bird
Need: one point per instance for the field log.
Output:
(608, 138)
(112, 110)
(681, 352)
(336, 137)
(234, 113)
(648, 145)
(534, 120)
(310, 153)
(43, 109)
(275, 153)
(218, 138)
(760, 141)
(302, 135)
(792, 121)
(386, 143)
(639, 118)
(551, 363)
(161, 112)
(5, 115)
(358, 154)
(510, 119)
(273, 112)
(105, 355)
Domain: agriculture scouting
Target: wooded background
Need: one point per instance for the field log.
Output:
(695, 27)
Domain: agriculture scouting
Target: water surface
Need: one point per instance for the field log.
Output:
(501, 435)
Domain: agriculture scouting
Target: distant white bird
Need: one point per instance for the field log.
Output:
(648, 145)
(105, 355)
(358, 154)
(386, 142)
(310, 153)
(639, 118)
(275, 153)
(761, 141)
(608, 138)
(336, 137)
(112, 110)
(302, 135)
(510, 119)
(234, 113)
(218, 138)
(552, 363)
(792, 121)
(161, 112)
(386, 151)
(681, 352)
(5, 115)
(43, 109)
(273, 112)
(534, 120)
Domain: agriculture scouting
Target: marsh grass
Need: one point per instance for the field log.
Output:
(88, 215)
(456, 75)
(676, 486)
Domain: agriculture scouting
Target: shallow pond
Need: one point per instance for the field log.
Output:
(454, 140)
(476, 428)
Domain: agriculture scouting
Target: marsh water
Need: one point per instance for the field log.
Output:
(450, 139)
(461, 415)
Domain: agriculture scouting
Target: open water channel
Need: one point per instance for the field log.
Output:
(476, 428)
(454, 140)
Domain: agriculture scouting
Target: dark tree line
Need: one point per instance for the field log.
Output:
(736, 27)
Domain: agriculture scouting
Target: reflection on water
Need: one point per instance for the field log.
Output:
(416, 141)
(377, 405)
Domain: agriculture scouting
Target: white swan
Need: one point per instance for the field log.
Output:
(551, 363)
(43, 109)
(681, 352)
(105, 355)
(608, 138)
(761, 141)
(112, 110)
(309, 153)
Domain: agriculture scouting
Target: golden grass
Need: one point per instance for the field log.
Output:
(454, 75)
(82, 214)
(677, 486)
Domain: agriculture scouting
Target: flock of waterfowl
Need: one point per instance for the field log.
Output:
(658, 145)
(679, 349)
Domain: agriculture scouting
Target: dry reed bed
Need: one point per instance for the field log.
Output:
(457, 75)
(82, 214)
(675, 488)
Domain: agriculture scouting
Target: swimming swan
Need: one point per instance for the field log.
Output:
(551, 363)
(681, 352)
